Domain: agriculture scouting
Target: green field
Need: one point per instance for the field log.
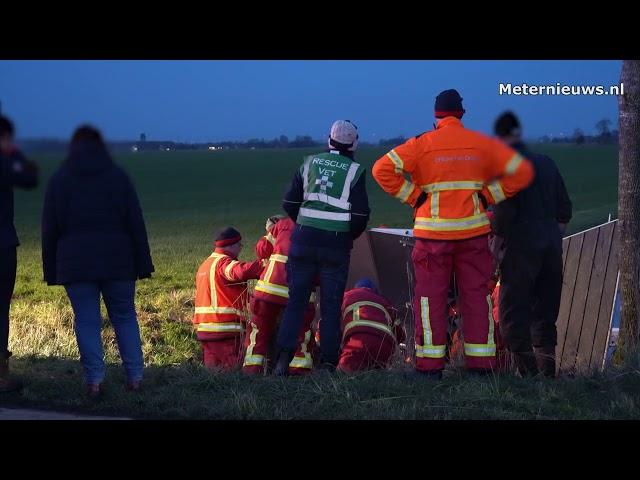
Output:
(185, 196)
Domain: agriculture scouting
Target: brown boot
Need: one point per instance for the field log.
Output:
(7, 384)
(546, 360)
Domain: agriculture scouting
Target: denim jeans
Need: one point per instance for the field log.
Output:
(304, 266)
(119, 299)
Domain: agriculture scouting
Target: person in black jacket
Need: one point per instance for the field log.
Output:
(94, 242)
(15, 171)
(531, 225)
(322, 240)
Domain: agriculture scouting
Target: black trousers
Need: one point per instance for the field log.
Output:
(530, 292)
(8, 263)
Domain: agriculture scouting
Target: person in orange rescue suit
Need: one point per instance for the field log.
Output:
(270, 297)
(370, 331)
(221, 298)
(452, 171)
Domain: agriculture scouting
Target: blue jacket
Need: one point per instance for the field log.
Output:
(15, 171)
(92, 223)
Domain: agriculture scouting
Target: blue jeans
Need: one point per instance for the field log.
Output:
(304, 265)
(119, 299)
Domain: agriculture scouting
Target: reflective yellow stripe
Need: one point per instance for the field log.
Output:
(272, 288)
(355, 307)
(441, 186)
(306, 361)
(513, 164)
(367, 323)
(250, 359)
(270, 238)
(432, 351)
(228, 268)
(479, 350)
(212, 283)
(496, 191)
(276, 257)
(405, 191)
(223, 310)
(435, 204)
(490, 337)
(476, 203)
(451, 224)
(220, 327)
(397, 161)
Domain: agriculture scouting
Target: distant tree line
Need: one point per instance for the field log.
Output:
(604, 136)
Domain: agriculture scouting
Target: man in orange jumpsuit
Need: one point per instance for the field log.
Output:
(370, 332)
(450, 169)
(221, 298)
(270, 297)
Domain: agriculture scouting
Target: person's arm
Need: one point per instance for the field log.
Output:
(360, 210)
(294, 196)
(389, 172)
(237, 271)
(504, 214)
(507, 172)
(17, 171)
(564, 206)
(50, 235)
(138, 231)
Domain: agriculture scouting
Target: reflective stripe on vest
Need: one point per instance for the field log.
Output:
(321, 215)
(367, 323)
(214, 308)
(451, 224)
(220, 327)
(266, 286)
(428, 349)
(495, 188)
(442, 186)
(435, 204)
(405, 191)
(221, 310)
(358, 322)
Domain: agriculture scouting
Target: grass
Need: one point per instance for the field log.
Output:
(185, 195)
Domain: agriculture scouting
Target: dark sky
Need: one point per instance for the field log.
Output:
(219, 100)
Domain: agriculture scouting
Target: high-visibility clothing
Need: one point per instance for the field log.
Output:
(455, 167)
(221, 294)
(274, 246)
(221, 353)
(370, 331)
(260, 335)
(327, 181)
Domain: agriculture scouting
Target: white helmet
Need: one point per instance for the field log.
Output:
(343, 136)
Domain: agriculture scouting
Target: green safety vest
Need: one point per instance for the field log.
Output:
(328, 178)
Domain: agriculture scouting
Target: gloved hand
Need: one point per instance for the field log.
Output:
(271, 221)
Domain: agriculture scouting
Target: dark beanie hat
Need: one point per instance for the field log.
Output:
(227, 236)
(449, 104)
(506, 124)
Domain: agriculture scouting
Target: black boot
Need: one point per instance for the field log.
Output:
(546, 360)
(282, 365)
(526, 363)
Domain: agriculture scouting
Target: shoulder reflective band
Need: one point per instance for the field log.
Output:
(397, 161)
(476, 203)
(212, 282)
(441, 186)
(513, 164)
(222, 310)
(451, 224)
(496, 191)
(368, 323)
(220, 327)
(341, 217)
(305, 174)
(228, 268)
(435, 204)
(334, 202)
(428, 349)
(405, 191)
(356, 306)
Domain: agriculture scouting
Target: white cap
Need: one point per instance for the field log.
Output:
(344, 132)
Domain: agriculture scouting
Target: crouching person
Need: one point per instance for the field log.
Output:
(221, 297)
(370, 332)
(269, 300)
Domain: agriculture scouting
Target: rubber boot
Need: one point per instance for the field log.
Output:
(546, 360)
(7, 384)
(282, 365)
(526, 363)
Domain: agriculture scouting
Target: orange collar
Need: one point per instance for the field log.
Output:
(448, 121)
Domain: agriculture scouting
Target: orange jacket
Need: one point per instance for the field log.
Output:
(221, 292)
(272, 286)
(363, 310)
(454, 166)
